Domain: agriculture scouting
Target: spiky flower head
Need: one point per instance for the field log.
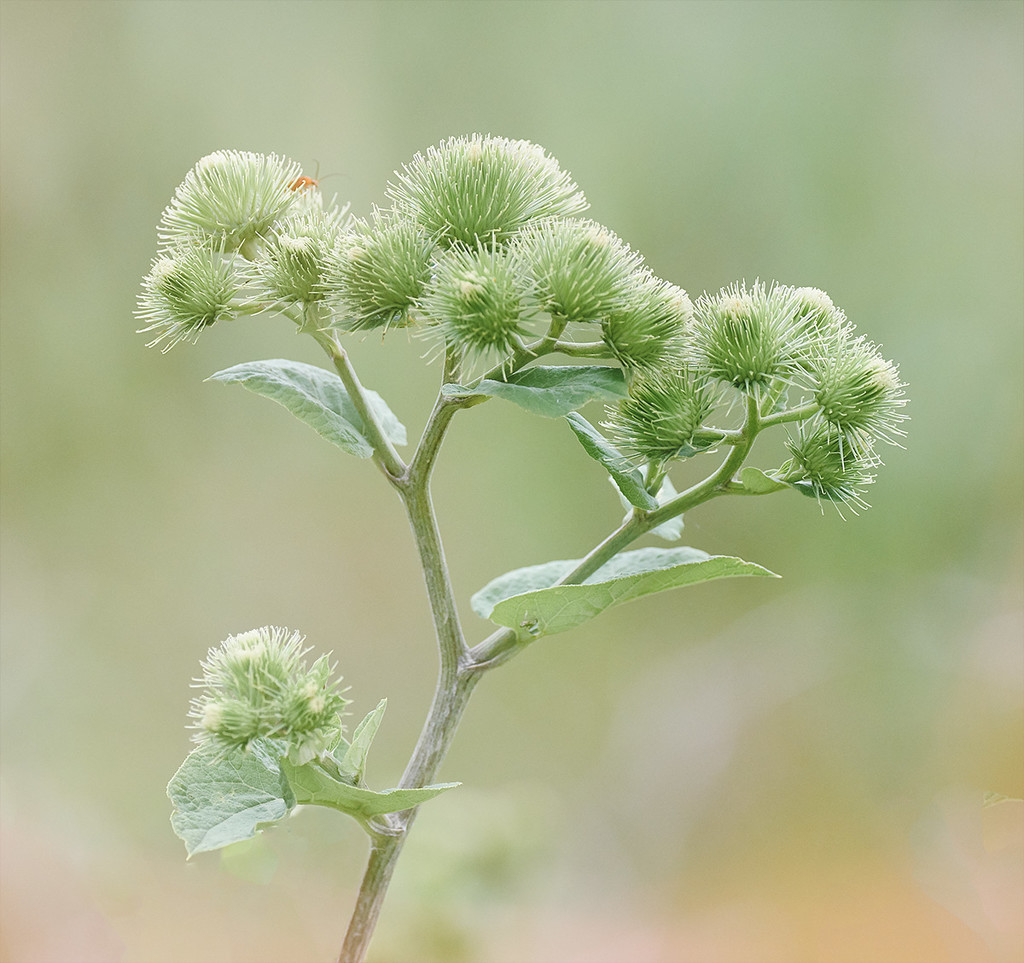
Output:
(649, 329)
(186, 290)
(860, 393)
(828, 465)
(748, 337)
(379, 270)
(662, 414)
(296, 258)
(813, 313)
(256, 686)
(483, 189)
(581, 270)
(477, 300)
(233, 198)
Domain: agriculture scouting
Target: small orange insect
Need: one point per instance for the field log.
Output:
(301, 183)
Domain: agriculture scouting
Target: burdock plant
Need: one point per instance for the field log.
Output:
(483, 251)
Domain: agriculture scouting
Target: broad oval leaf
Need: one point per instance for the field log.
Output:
(627, 479)
(314, 786)
(520, 600)
(317, 397)
(519, 582)
(219, 801)
(551, 390)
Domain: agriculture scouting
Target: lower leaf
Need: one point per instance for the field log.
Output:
(223, 800)
(314, 786)
(528, 600)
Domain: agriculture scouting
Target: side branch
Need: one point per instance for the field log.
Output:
(384, 452)
(501, 645)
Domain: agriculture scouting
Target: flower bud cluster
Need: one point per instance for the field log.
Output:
(767, 344)
(241, 234)
(256, 686)
(484, 242)
(860, 399)
(483, 247)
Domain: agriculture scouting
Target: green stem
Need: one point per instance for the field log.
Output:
(454, 684)
(450, 701)
(523, 354)
(583, 349)
(800, 413)
(384, 452)
(717, 483)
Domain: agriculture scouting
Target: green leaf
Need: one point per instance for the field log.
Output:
(223, 800)
(314, 786)
(318, 398)
(552, 391)
(537, 577)
(353, 760)
(528, 601)
(629, 480)
(219, 801)
(758, 482)
(519, 582)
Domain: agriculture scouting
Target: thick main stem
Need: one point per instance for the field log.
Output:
(443, 720)
(454, 685)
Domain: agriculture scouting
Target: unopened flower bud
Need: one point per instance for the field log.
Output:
(229, 722)
(295, 259)
(748, 337)
(379, 270)
(231, 198)
(185, 291)
(582, 271)
(481, 189)
(813, 312)
(859, 392)
(477, 300)
(649, 329)
(828, 465)
(663, 412)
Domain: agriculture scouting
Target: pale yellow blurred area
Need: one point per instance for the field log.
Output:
(752, 771)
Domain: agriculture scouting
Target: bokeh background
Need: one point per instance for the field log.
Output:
(746, 772)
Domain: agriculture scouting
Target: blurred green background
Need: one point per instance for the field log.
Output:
(746, 772)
